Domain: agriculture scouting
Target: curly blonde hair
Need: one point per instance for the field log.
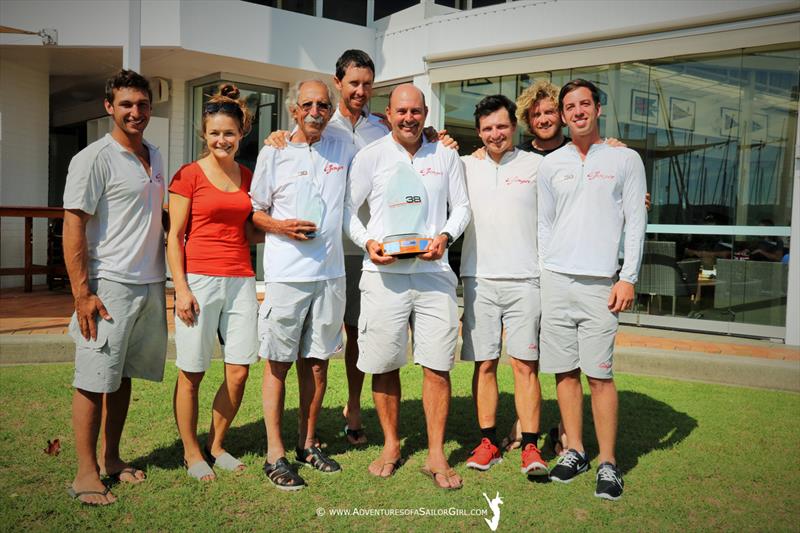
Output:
(540, 90)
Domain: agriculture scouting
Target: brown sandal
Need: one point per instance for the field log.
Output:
(448, 474)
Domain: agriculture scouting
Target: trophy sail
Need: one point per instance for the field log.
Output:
(310, 206)
(406, 213)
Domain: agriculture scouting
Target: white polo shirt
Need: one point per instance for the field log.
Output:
(500, 240)
(442, 175)
(367, 129)
(125, 239)
(274, 190)
(583, 207)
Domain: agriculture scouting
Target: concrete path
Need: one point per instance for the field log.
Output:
(33, 329)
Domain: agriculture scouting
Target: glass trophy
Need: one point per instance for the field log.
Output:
(310, 206)
(406, 213)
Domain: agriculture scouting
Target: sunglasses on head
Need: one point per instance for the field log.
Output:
(322, 106)
(215, 107)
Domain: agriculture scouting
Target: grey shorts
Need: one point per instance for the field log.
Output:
(494, 305)
(352, 274)
(578, 330)
(228, 307)
(133, 344)
(392, 302)
(301, 319)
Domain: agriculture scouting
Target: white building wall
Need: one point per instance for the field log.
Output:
(271, 36)
(24, 132)
(402, 50)
(91, 22)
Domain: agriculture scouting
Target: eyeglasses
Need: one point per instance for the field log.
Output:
(322, 106)
(215, 107)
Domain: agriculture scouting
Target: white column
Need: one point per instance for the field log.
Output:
(132, 50)
(793, 293)
(423, 83)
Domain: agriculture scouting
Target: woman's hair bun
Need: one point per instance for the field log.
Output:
(229, 90)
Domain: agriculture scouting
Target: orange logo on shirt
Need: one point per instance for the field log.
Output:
(330, 167)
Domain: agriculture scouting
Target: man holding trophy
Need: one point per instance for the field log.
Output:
(298, 197)
(418, 205)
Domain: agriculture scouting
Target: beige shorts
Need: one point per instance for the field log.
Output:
(301, 319)
(352, 273)
(578, 330)
(228, 306)
(494, 305)
(392, 302)
(133, 344)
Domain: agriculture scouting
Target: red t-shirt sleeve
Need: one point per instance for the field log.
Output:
(184, 181)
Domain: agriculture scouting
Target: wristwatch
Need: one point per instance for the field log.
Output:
(449, 238)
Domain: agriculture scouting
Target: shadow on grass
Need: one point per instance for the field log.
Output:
(646, 425)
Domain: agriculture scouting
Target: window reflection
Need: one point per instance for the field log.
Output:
(717, 135)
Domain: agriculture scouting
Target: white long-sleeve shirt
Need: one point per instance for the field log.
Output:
(500, 240)
(442, 175)
(583, 207)
(274, 190)
(367, 129)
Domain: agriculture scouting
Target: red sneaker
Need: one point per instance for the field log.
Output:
(532, 462)
(484, 456)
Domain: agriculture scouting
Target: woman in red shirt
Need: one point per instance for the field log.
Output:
(209, 258)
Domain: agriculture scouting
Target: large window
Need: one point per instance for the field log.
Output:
(717, 135)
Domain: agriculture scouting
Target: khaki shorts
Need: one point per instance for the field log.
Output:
(578, 330)
(301, 319)
(352, 273)
(228, 305)
(133, 344)
(392, 302)
(494, 305)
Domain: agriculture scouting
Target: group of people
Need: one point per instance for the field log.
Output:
(539, 264)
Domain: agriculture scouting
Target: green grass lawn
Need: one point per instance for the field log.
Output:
(695, 456)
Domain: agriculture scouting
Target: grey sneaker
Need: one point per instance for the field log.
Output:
(569, 466)
(609, 482)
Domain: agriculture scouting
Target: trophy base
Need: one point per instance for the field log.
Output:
(403, 246)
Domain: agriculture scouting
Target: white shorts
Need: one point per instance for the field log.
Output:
(133, 344)
(578, 330)
(228, 305)
(389, 303)
(494, 305)
(301, 319)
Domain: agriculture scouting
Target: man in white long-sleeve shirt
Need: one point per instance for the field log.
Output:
(419, 290)
(588, 192)
(500, 272)
(298, 200)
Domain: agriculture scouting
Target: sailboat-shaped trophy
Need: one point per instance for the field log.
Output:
(310, 206)
(406, 214)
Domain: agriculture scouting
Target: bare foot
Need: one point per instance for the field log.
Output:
(123, 472)
(92, 484)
